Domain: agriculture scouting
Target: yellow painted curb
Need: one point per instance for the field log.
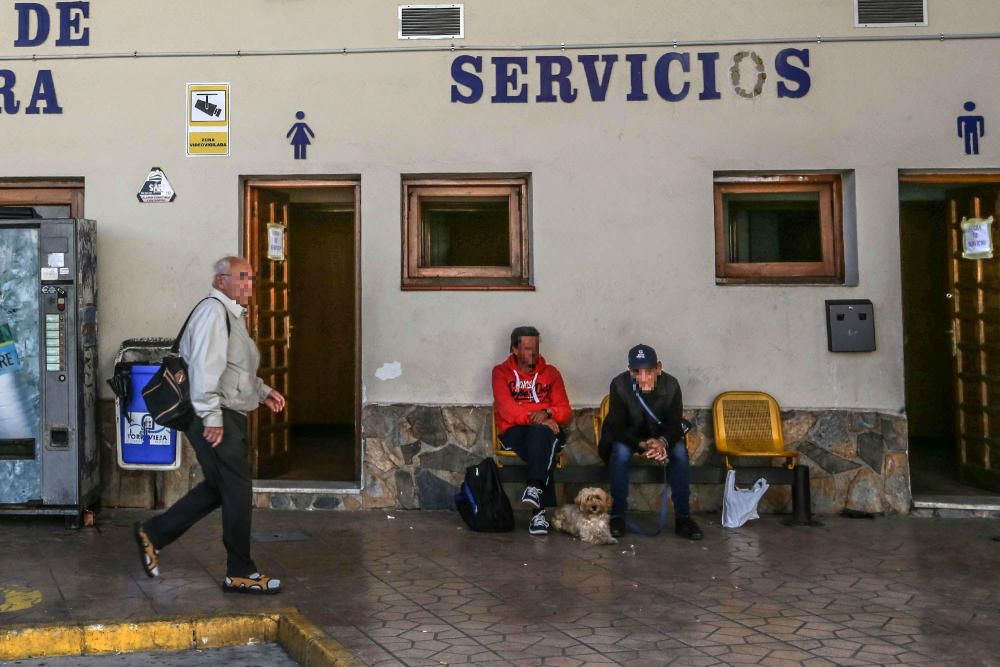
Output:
(304, 642)
(19, 643)
(308, 645)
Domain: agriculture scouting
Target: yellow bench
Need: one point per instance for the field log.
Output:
(602, 414)
(499, 451)
(748, 423)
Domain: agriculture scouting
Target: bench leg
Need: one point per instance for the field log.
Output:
(801, 499)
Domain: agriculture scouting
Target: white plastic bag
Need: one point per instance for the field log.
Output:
(740, 505)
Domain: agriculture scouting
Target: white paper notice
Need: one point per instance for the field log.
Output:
(50, 273)
(276, 242)
(56, 259)
(977, 238)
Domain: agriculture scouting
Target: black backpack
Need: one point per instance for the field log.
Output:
(481, 501)
(168, 392)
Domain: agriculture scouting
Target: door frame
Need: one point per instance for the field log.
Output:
(247, 185)
(44, 192)
(950, 177)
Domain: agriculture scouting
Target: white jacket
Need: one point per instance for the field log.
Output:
(222, 368)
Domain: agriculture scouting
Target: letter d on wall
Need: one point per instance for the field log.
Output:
(24, 12)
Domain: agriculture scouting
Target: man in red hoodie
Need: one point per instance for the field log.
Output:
(530, 402)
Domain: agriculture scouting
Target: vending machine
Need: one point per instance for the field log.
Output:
(48, 364)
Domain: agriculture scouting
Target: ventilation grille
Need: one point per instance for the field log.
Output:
(890, 12)
(431, 22)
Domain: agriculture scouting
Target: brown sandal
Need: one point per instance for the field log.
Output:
(147, 552)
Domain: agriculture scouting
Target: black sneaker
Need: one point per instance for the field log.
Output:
(532, 497)
(618, 526)
(686, 527)
(539, 525)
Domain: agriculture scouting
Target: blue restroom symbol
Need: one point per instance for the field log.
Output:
(971, 129)
(300, 133)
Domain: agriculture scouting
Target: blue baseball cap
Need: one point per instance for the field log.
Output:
(641, 356)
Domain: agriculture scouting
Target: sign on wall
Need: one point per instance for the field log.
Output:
(156, 189)
(207, 119)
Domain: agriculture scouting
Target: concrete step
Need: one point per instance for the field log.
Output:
(956, 507)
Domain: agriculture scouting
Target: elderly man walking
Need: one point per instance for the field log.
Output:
(222, 366)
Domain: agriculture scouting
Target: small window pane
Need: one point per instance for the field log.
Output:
(773, 227)
(466, 232)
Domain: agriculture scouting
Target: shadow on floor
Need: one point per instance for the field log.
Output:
(933, 471)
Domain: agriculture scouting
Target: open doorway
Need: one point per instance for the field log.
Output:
(951, 323)
(301, 237)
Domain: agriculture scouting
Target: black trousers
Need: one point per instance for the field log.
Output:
(227, 483)
(537, 445)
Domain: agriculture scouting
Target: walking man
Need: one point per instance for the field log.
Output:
(222, 364)
(530, 404)
(644, 417)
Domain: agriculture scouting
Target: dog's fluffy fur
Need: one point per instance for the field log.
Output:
(587, 518)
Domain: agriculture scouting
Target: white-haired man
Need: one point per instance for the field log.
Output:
(222, 364)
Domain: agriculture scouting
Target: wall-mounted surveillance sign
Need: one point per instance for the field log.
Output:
(207, 119)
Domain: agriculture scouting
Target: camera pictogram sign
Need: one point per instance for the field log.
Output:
(207, 119)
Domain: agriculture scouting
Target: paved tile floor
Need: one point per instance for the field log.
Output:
(414, 588)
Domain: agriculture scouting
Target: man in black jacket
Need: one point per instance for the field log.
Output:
(645, 417)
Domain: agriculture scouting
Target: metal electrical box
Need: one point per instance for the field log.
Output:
(850, 325)
(48, 355)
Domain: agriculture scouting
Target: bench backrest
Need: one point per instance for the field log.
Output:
(600, 416)
(748, 423)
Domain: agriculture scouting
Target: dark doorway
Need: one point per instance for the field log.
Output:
(949, 369)
(305, 319)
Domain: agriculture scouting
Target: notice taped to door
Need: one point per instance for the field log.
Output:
(977, 238)
(207, 119)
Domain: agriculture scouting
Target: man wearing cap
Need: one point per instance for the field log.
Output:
(645, 418)
(530, 407)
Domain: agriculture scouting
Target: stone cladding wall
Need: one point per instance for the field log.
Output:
(416, 455)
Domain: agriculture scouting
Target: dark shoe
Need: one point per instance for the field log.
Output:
(532, 497)
(256, 583)
(686, 527)
(618, 526)
(539, 524)
(147, 552)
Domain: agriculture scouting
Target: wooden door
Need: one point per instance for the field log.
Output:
(269, 319)
(975, 297)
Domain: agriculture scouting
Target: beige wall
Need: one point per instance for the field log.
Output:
(621, 191)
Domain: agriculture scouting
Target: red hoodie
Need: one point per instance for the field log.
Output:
(516, 395)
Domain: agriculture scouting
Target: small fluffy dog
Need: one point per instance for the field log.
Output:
(587, 519)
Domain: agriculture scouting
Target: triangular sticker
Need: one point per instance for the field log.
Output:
(156, 189)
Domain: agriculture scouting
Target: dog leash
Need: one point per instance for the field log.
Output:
(636, 528)
(685, 427)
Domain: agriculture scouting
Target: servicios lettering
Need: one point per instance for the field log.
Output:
(675, 75)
